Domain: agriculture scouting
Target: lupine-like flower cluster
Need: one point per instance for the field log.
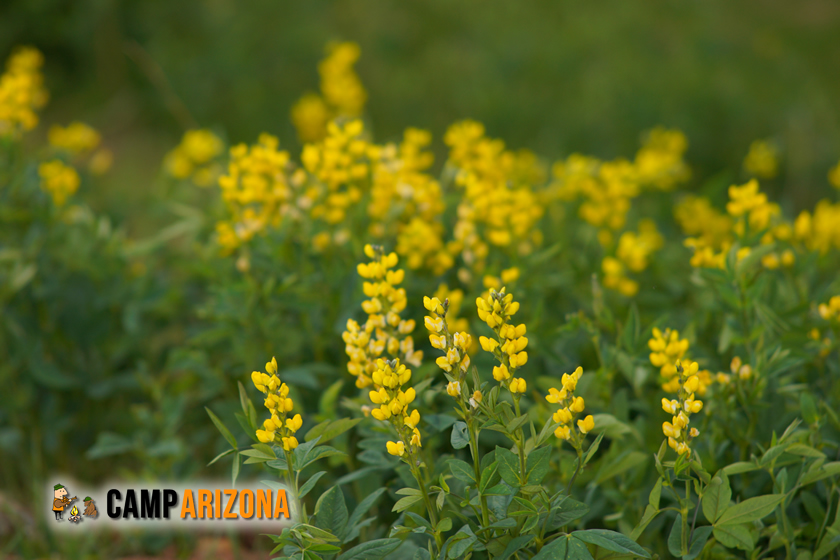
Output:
(633, 254)
(455, 346)
(59, 180)
(281, 427)
(710, 231)
(384, 331)
(256, 190)
(830, 311)
(195, 157)
(75, 138)
(21, 92)
(342, 93)
(508, 347)
(819, 231)
(570, 406)
(499, 206)
(750, 207)
(660, 162)
(80, 140)
(677, 431)
(388, 379)
(667, 349)
(762, 160)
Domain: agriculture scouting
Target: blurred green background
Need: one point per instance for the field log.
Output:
(556, 77)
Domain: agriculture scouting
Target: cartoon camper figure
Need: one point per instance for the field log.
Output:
(60, 500)
(90, 508)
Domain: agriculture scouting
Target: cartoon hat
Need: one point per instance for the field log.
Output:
(87, 498)
(58, 487)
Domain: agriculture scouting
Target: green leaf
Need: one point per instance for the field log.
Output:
(222, 428)
(735, 536)
(620, 464)
(515, 545)
(739, 468)
(649, 515)
(220, 455)
(508, 466)
(444, 525)
(406, 502)
(462, 542)
(489, 476)
(371, 550)
(326, 404)
(751, 509)
(460, 435)
(809, 408)
(520, 506)
(516, 423)
(593, 448)
(827, 470)
(611, 540)
(804, 450)
(330, 429)
(304, 490)
(537, 464)
(564, 548)
(462, 471)
(675, 538)
(566, 511)
(318, 453)
(360, 511)
(331, 511)
(716, 499)
(655, 494)
(234, 470)
(611, 426)
(701, 535)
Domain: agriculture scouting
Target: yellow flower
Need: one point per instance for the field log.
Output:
(830, 311)
(397, 449)
(586, 425)
(59, 180)
(289, 443)
(21, 92)
(563, 432)
(659, 162)
(762, 161)
(453, 389)
(517, 385)
(76, 138)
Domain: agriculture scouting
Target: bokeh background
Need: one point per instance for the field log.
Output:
(554, 77)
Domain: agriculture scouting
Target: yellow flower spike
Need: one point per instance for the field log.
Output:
(577, 405)
(397, 449)
(586, 425)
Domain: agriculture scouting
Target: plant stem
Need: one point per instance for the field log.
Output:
(429, 506)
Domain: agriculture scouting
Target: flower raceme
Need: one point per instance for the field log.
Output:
(280, 427)
(681, 409)
(666, 350)
(455, 360)
(570, 406)
(392, 401)
(509, 345)
(21, 92)
(384, 331)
